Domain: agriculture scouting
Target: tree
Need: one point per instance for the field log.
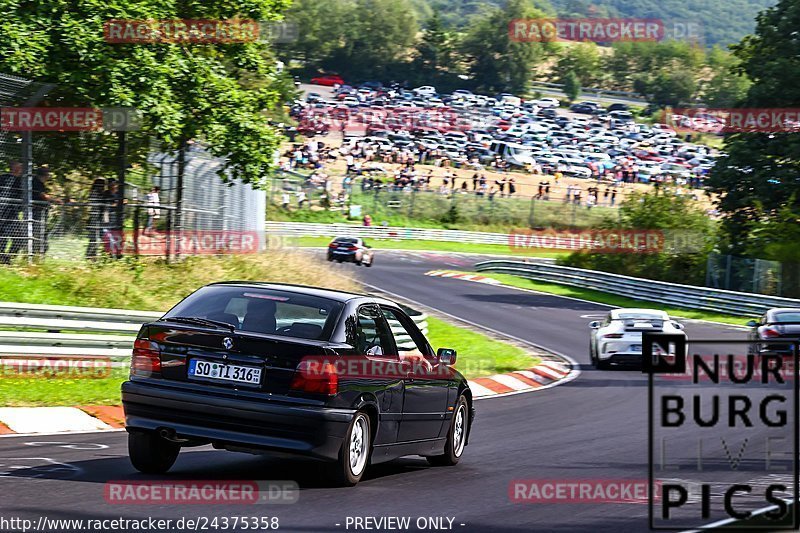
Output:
(321, 29)
(664, 212)
(668, 87)
(583, 60)
(211, 93)
(378, 35)
(759, 177)
(434, 48)
(572, 86)
(496, 61)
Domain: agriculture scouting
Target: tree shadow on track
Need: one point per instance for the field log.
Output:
(209, 465)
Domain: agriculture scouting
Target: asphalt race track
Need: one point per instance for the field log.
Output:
(592, 428)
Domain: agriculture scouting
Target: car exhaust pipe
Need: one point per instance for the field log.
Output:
(170, 435)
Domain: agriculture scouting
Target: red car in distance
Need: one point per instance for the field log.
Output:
(328, 80)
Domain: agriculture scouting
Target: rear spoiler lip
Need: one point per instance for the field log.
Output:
(781, 324)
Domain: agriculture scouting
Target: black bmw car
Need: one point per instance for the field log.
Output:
(351, 250)
(257, 367)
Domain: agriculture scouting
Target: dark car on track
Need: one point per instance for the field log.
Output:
(351, 250)
(779, 324)
(263, 368)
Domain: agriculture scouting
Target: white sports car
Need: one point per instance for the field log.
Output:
(617, 339)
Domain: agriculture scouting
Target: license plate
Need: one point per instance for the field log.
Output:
(636, 347)
(224, 372)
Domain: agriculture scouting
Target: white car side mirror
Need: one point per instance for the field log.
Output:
(595, 324)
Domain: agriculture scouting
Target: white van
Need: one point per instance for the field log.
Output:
(513, 153)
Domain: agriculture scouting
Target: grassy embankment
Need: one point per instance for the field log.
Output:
(155, 285)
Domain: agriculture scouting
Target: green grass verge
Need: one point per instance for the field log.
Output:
(438, 246)
(612, 299)
(478, 355)
(49, 391)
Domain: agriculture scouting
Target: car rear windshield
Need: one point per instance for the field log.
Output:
(260, 310)
(788, 316)
(346, 240)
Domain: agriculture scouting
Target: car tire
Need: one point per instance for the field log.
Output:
(150, 454)
(371, 259)
(355, 453)
(456, 436)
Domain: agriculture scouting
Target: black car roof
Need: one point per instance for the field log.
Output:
(321, 292)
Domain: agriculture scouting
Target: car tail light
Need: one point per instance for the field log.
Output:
(316, 377)
(768, 333)
(352, 248)
(332, 245)
(146, 358)
(613, 336)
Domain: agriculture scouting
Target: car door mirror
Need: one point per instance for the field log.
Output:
(751, 323)
(446, 356)
(677, 326)
(595, 324)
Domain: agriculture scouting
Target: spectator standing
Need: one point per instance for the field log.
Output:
(153, 202)
(512, 187)
(41, 205)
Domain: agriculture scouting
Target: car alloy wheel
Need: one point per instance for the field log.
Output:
(460, 430)
(358, 449)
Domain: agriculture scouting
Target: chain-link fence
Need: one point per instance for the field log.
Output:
(399, 206)
(743, 274)
(92, 194)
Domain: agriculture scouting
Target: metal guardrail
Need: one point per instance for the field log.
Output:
(103, 332)
(674, 294)
(311, 229)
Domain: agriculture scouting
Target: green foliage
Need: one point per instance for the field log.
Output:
(654, 211)
(572, 86)
(668, 87)
(757, 182)
(496, 61)
(211, 93)
(583, 60)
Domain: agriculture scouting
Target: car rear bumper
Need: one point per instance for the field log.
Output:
(342, 256)
(622, 358)
(268, 426)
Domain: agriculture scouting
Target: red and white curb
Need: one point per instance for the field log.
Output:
(48, 420)
(89, 418)
(543, 375)
(462, 275)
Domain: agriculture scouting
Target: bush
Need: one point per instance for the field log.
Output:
(654, 211)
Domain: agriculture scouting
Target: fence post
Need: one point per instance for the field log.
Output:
(27, 163)
(168, 244)
(135, 231)
(122, 155)
(531, 220)
(179, 194)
